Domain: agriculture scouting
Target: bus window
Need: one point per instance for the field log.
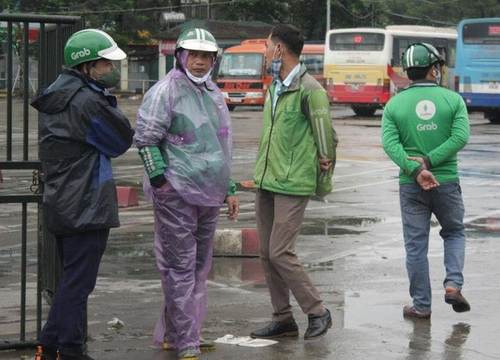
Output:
(452, 54)
(358, 41)
(242, 66)
(442, 46)
(481, 33)
(313, 62)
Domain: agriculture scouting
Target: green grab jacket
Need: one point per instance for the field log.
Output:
(425, 120)
(292, 141)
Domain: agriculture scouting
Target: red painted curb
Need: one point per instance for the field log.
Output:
(127, 196)
(249, 241)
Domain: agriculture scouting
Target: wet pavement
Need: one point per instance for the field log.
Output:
(351, 244)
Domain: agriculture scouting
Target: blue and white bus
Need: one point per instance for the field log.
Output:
(477, 72)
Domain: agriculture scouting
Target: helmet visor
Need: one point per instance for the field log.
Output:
(112, 53)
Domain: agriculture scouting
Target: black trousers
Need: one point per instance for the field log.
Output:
(80, 256)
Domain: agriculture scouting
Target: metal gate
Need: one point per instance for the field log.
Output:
(27, 38)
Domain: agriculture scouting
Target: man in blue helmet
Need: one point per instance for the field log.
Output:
(423, 129)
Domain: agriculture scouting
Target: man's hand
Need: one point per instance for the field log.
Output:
(417, 159)
(325, 164)
(426, 180)
(233, 207)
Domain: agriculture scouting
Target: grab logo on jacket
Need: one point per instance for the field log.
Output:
(425, 109)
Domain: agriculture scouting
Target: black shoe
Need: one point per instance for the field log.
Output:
(276, 329)
(318, 326)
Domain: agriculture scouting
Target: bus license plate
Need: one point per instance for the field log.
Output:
(236, 100)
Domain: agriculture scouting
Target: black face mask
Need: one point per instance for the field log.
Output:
(108, 80)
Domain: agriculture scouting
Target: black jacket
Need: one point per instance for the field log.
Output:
(80, 130)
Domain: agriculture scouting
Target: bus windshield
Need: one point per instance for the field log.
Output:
(241, 66)
(357, 41)
(481, 33)
(313, 62)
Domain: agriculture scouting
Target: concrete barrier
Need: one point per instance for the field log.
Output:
(235, 242)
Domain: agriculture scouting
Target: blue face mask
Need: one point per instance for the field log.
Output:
(276, 64)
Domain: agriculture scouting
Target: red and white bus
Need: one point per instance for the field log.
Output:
(363, 65)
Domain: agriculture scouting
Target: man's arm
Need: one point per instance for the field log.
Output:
(392, 145)
(318, 113)
(460, 131)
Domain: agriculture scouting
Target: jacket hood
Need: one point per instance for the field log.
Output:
(55, 98)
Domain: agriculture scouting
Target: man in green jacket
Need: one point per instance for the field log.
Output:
(296, 160)
(423, 128)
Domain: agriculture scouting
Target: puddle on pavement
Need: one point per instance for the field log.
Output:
(238, 271)
(137, 249)
(481, 227)
(337, 226)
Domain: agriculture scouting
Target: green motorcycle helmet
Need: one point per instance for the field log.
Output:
(91, 44)
(196, 39)
(420, 55)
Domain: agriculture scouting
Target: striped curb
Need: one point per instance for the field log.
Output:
(234, 242)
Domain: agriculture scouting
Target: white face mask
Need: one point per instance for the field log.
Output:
(197, 80)
(438, 76)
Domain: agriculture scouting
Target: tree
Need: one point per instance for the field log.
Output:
(272, 11)
(137, 21)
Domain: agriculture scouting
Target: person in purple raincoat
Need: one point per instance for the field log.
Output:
(184, 139)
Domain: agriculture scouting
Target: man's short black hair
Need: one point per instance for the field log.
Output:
(290, 36)
(418, 73)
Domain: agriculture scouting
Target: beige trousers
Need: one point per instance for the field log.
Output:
(279, 218)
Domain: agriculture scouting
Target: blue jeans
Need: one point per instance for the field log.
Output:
(417, 207)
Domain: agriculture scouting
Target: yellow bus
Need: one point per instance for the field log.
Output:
(363, 65)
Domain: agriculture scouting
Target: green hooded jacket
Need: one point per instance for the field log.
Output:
(292, 141)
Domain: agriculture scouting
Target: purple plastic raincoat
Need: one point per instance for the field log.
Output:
(190, 124)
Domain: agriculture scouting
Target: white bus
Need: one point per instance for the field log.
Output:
(363, 65)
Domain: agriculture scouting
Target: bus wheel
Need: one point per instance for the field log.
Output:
(231, 107)
(364, 110)
(493, 115)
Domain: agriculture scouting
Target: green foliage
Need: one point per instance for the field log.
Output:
(137, 21)
(262, 10)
